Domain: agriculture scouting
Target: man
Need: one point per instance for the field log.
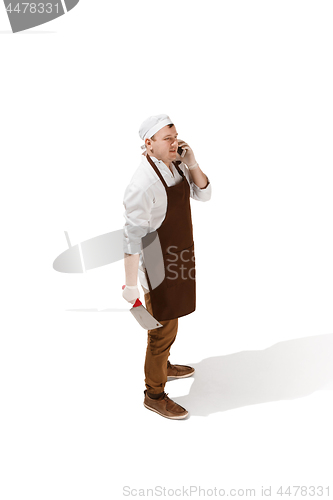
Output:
(157, 203)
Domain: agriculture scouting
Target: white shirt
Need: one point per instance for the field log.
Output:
(145, 203)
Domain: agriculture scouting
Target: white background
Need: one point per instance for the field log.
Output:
(249, 86)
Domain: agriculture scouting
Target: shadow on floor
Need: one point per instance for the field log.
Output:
(94, 309)
(288, 370)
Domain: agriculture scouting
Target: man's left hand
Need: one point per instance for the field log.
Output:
(189, 158)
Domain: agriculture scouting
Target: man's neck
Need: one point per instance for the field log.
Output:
(168, 164)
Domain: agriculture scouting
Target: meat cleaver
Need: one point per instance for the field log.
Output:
(143, 317)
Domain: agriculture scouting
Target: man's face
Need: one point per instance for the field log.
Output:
(164, 145)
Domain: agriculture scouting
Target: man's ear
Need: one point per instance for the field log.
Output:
(148, 144)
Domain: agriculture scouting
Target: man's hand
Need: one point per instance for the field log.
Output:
(198, 177)
(189, 158)
(131, 293)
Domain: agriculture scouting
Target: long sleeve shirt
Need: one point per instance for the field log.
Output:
(145, 203)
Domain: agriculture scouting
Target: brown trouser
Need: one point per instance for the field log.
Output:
(158, 349)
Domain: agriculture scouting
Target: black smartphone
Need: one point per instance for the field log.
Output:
(180, 151)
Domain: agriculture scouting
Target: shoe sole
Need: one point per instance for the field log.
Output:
(180, 376)
(162, 415)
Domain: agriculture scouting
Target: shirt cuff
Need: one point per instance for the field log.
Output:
(131, 248)
(201, 189)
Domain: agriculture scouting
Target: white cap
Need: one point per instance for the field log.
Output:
(152, 125)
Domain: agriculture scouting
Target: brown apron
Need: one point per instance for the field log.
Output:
(175, 296)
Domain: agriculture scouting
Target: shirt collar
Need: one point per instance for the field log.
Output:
(160, 164)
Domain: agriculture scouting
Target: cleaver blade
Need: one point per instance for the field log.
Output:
(143, 317)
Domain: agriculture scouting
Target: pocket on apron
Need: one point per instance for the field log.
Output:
(179, 266)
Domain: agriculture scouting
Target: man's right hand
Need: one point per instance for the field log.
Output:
(131, 293)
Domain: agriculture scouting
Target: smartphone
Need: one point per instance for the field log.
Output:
(181, 152)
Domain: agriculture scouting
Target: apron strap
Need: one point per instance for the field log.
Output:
(157, 171)
(176, 163)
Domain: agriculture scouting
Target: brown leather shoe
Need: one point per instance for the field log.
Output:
(179, 371)
(165, 406)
